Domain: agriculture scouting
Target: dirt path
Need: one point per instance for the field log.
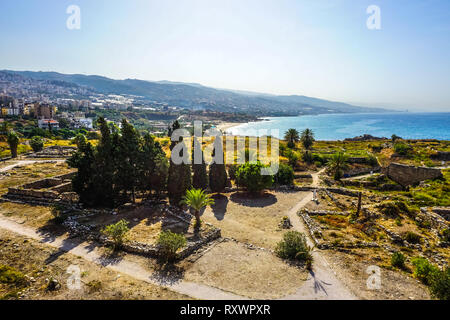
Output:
(125, 266)
(322, 282)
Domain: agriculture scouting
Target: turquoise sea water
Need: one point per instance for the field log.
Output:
(341, 126)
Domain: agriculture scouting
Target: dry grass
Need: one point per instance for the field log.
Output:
(25, 174)
(252, 219)
(37, 260)
(256, 274)
(33, 216)
(395, 285)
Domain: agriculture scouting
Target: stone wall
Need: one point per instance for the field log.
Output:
(410, 175)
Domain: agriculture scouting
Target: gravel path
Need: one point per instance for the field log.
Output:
(322, 282)
(125, 266)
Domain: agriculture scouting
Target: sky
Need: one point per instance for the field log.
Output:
(316, 48)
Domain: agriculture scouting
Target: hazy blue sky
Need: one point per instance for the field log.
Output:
(314, 48)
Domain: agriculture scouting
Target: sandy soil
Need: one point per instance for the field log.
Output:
(252, 219)
(41, 262)
(395, 285)
(255, 273)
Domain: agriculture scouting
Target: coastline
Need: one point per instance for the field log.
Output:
(224, 126)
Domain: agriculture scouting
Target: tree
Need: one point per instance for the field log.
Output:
(292, 158)
(154, 166)
(175, 126)
(80, 140)
(179, 180)
(36, 143)
(200, 177)
(285, 175)
(337, 164)
(197, 199)
(292, 136)
(395, 138)
(128, 156)
(307, 138)
(13, 141)
(250, 177)
(217, 172)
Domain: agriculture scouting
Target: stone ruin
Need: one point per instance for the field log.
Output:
(54, 152)
(409, 175)
(45, 192)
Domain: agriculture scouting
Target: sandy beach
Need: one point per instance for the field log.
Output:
(224, 126)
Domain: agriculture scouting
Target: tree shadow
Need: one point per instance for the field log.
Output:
(319, 284)
(255, 201)
(168, 274)
(110, 257)
(219, 208)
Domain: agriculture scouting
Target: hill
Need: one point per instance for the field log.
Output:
(196, 96)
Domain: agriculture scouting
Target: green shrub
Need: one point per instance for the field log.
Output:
(250, 177)
(10, 276)
(402, 148)
(117, 232)
(169, 243)
(389, 209)
(412, 237)
(398, 260)
(285, 175)
(294, 246)
(440, 284)
(232, 171)
(424, 270)
(36, 143)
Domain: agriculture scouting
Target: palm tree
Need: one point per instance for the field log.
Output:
(13, 141)
(337, 164)
(307, 138)
(197, 199)
(292, 136)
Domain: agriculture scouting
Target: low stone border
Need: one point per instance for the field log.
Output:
(85, 232)
(315, 232)
(326, 213)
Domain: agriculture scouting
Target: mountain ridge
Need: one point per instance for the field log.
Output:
(197, 96)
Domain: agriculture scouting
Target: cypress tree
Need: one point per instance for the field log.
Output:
(217, 171)
(179, 180)
(200, 178)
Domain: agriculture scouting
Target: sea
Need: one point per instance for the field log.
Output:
(407, 125)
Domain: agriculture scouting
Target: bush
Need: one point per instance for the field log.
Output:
(424, 270)
(9, 275)
(232, 171)
(294, 246)
(117, 232)
(398, 260)
(170, 243)
(402, 148)
(440, 284)
(285, 175)
(412, 237)
(36, 143)
(250, 177)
